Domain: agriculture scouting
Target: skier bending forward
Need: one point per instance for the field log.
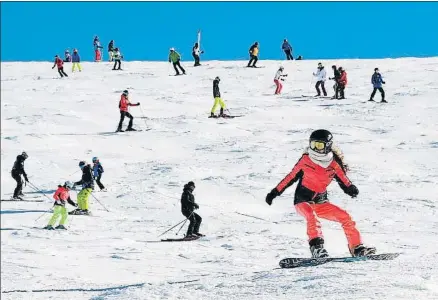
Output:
(314, 172)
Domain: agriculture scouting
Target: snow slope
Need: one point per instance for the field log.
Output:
(392, 150)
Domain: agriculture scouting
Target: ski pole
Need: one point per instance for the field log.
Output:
(184, 223)
(38, 190)
(99, 202)
(73, 173)
(172, 227)
(144, 117)
(41, 215)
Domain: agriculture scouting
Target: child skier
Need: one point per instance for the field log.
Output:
(16, 172)
(217, 99)
(175, 58)
(196, 52)
(377, 81)
(67, 56)
(253, 54)
(111, 50)
(321, 76)
(61, 196)
(76, 61)
(117, 57)
(97, 173)
(60, 64)
(188, 207)
(279, 76)
(314, 172)
(97, 47)
(124, 107)
(87, 183)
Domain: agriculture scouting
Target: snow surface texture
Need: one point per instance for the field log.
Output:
(392, 150)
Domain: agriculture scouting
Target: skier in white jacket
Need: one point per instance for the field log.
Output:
(321, 76)
(279, 77)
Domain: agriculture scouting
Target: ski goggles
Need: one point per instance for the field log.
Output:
(319, 146)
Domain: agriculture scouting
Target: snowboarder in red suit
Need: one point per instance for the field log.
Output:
(60, 64)
(124, 106)
(318, 166)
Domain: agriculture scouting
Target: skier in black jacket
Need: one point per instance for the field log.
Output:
(336, 77)
(87, 183)
(188, 206)
(17, 171)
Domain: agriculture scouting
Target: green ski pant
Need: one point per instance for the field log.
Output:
(58, 211)
(83, 198)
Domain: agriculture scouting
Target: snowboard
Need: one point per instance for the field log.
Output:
(295, 262)
(184, 239)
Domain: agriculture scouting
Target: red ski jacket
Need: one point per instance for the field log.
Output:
(124, 103)
(313, 179)
(61, 194)
(343, 79)
(58, 62)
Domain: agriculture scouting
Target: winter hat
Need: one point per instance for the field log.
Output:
(191, 183)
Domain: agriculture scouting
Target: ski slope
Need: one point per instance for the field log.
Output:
(392, 151)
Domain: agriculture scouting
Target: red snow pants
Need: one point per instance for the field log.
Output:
(330, 212)
(97, 56)
(279, 86)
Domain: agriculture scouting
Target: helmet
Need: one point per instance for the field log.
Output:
(82, 164)
(172, 49)
(217, 78)
(340, 69)
(24, 154)
(117, 49)
(68, 184)
(321, 141)
(281, 68)
(376, 69)
(125, 92)
(95, 159)
(191, 184)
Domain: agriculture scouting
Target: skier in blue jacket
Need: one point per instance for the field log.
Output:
(377, 81)
(287, 48)
(97, 173)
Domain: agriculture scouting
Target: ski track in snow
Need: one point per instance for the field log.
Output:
(392, 151)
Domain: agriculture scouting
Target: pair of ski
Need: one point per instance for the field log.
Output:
(224, 117)
(296, 262)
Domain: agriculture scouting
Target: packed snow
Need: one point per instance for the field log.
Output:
(391, 148)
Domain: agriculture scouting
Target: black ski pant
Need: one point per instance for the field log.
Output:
(61, 72)
(178, 64)
(340, 88)
(197, 59)
(117, 62)
(253, 60)
(19, 187)
(195, 221)
(288, 55)
(320, 83)
(382, 92)
(99, 183)
(124, 114)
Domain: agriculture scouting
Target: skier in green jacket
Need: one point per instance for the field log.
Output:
(175, 58)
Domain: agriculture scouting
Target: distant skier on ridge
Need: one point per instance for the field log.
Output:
(196, 52)
(314, 171)
(175, 58)
(60, 64)
(377, 81)
(254, 55)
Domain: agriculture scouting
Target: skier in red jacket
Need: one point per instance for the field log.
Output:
(342, 83)
(60, 64)
(124, 106)
(318, 166)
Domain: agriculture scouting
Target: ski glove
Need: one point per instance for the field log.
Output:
(352, 191)
(196, 205)
(383, 82)
(271, 196)
(25, 178)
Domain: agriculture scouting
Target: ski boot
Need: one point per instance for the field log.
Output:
(60, 227)
(119, 130)
(76, 211)
(212, 115)
(130, 129)
(317, 248)
(221, 113)
(49, 227)
(361, 250)
(17, 198)
(198, 234)
(384, 101)
(372, 100)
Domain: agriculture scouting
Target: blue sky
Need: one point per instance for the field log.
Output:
(36, 31)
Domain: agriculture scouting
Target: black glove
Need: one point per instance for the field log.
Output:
(25, 178)
(53, 68)
(271, 196)
(196, 206)
(138, 103)
(383, 82)
(352, 191)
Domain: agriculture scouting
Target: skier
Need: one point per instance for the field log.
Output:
(196, 52)
(253, 54)
(61, 196)
(67, 56)
(279, 77)
(175, 59)
(287, 48)
(97, 47)
(87, 183)
(111, 50)
(16, 172)
(320, 77)
(377, 81)
(314, 171)
(188, 206)
(60, 64)
(117, 57)
(342, 83)
(336, 77)
(124, 106)
(97, 173)
(76, 61)
(217, 99)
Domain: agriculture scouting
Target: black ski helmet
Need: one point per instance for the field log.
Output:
(24, 154)
(82, 164)
(191, 183)
(321, 141)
